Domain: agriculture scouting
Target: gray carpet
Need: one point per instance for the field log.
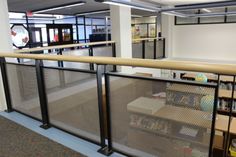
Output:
(18, 141)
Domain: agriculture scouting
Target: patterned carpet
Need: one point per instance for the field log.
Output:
(18, 141)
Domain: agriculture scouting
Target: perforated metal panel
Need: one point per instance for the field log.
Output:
(137, 50)
(73, 102)
(104, 51)
(149, 50)
(154, 118)
(160, 49)
(24, 89)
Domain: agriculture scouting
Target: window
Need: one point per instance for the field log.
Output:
(221, 18)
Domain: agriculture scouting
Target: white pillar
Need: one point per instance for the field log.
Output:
(167, 32)
(121, 32)
(6, 43)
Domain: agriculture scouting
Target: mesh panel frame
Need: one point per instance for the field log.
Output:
(164, 132)
(73, 105)
(24, 89)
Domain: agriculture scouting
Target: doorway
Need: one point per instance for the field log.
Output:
(59, 34)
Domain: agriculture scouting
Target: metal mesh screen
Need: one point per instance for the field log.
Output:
(72, 102)
(24, 89)
(149, 50)
(104, 51)
(160, 49)
(154, 118)
(137, 50)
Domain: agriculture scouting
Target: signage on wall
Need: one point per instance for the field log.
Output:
(20, 35)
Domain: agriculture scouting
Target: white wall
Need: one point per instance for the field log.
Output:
(210, 41)
(6, 43)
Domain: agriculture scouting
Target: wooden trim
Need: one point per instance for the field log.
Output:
(224, 69)
(145, 39)
(63, 46)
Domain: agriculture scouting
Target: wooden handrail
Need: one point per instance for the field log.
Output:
(75, 45)
(145, 39)
(225, 69)
(63, 46)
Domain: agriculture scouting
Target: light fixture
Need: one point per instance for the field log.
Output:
(92, 13)
(174, 13)
(136, 16)
(130, 5)
(206, 10)
(69, 5)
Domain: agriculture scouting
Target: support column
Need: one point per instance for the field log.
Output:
(167, 25)
(121, 32)
(6, 43)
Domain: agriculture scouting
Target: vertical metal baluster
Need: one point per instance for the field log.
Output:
(6, 84)
(100, 73)
(91, 54)
(114, 55)
(227, 143)
(214, 116)
(42, 94)
(143, 49)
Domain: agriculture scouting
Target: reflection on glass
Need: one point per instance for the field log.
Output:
(53, 34)
(66, 34)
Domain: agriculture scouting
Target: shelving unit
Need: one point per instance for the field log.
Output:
(169, 121)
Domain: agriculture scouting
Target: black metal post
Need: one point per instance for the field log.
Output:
(42, 94)
(77, 28)
(100, 73)
(226, 147)
(6, 84)
(143, 49)
(108, 113)
(29, 31)
(214, 116)
(60, 63)
(91, 54)
(164, 48)
(85, 32)
(155, 49)
(114, 55)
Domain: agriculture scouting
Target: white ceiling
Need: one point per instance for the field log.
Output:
(181, 2)
(91, 5)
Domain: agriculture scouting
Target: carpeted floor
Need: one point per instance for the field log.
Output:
(18, 141)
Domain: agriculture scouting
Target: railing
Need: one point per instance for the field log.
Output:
(105, 49)
(149, 48)
(130, 112)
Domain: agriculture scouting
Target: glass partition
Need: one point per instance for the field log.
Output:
(160, 118)
(73, 102)
(24, 89)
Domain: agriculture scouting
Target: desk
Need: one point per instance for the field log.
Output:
(213, 78)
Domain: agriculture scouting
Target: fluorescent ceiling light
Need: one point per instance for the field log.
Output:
(92, 13)
(138, 16)
(58, 7)
(131, 5)
(173, 13)
(206, 10)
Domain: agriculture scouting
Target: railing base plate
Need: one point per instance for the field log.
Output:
(8, 111)
(105, 151)
(45, 126)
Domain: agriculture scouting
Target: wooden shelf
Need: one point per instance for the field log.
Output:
(226, 94)
(212, 78)
(190, 89)
(182, 115)
(225, 112)
(170, 136)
